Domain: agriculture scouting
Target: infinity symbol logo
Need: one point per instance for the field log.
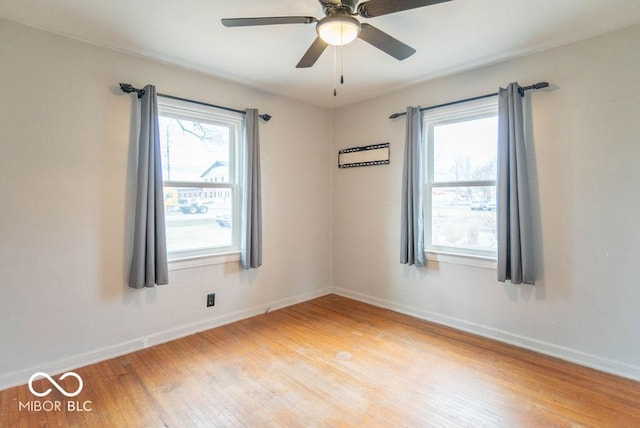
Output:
(55, 384)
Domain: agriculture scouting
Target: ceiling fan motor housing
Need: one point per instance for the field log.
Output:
(332, 6)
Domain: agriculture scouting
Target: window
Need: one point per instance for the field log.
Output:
(460, 196)
(200, 171)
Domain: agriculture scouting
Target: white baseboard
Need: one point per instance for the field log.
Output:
(21, 377)
(578, 357)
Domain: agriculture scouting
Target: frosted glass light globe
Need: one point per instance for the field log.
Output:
(338, 30)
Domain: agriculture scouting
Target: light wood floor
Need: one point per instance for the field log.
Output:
(336, 362)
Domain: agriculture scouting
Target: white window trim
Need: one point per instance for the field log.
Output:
(462, 259)
(205, 260)
(190, 111)
(451, 114)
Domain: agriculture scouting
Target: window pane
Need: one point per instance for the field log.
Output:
(464, 217)
(194, 151)
(465, 151)
(198, 218)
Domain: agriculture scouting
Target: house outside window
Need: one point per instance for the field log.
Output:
(460, 195)
(200, 170)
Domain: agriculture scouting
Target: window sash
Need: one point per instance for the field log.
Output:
(207, 184)
(177, 109)
(212, 250)
(477, 183)
(474, 110)
(234, 122)
(461, 250)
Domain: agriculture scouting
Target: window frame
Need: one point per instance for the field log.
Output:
(462, 112)
(178, 109)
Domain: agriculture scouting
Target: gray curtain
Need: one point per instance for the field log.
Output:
(251, 228)
(149, 261)
(515, 246)
(412, 213)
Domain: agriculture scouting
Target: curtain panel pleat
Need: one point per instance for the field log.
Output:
(412, 212)
(515, 241)
(251, 230)
(149, 265)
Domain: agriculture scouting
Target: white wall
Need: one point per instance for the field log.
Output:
(66, 198)
(585, 158)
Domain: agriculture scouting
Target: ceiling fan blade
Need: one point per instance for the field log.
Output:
(313, 53)
(372, 8)
(385, 42)
(272, 20)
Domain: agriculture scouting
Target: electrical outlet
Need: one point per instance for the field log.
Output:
(211, 299)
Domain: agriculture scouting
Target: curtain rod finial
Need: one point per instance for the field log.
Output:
(128, 88)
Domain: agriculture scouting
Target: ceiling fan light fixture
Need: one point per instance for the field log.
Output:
(338, 30)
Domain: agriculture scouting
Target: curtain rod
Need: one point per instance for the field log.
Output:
(538, 85)
(128, 88)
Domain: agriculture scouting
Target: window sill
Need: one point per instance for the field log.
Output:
(207, 260)
(462, 259)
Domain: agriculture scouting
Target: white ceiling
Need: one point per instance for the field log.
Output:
(448, 37)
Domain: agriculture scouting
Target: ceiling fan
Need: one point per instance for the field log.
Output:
(339, 27)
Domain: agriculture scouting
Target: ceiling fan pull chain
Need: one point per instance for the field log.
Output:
(342, 65)
(342, 56)
(335, 72)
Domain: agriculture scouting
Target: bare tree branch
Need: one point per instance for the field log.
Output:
(199, 128)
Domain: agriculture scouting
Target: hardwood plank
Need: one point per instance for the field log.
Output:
(333, 361)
